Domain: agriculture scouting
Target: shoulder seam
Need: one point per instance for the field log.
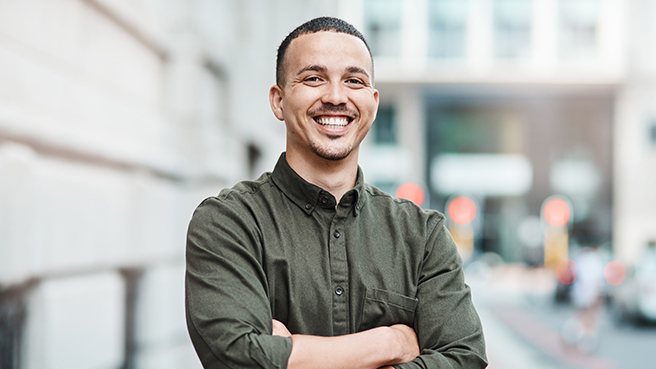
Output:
(250, 189)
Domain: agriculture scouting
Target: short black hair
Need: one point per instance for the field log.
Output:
(313, 26)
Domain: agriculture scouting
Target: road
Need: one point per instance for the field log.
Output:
(523, 326)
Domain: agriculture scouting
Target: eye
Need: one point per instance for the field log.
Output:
(312, 80)
(355, 82)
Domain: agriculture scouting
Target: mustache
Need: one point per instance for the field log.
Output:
(332, 109)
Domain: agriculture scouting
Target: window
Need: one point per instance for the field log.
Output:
(383, 26)
(512, 28)
(384, 128)
(578, 28)
(447, 28)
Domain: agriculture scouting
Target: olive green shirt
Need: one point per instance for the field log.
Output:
(282, 248)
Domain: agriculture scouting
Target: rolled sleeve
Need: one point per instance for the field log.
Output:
(447, 325)
(227, 308)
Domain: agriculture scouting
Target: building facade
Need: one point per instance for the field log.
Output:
(116, 118)
(510, 102)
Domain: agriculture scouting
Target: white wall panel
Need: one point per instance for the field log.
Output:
(76, 323)
(158, 221)
(92, 84)
(177, 357)
(82, 216)
(160, 315)
(17, 247)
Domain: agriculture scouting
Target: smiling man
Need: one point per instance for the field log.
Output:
(309, 266)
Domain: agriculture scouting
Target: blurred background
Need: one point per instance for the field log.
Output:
(530, 123)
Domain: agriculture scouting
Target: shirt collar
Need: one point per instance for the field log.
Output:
(308, 196)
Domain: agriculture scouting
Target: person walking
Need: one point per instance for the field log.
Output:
(587, 297)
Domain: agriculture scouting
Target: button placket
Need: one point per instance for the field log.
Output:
(339, 275)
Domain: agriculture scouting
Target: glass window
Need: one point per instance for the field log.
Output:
(383, 26)
(447, 28)
(384, 128)
(578, 28)
(512, 28)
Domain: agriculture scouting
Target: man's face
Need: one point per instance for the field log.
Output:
(326, 99)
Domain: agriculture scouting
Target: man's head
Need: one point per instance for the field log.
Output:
(325, 92)
(312, 26)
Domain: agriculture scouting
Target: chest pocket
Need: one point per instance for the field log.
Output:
(385, 308)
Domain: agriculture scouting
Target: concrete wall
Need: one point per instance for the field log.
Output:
(117, 117)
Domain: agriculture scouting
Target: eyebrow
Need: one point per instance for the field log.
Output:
(313, 68)
(323, 68)
(355, 69)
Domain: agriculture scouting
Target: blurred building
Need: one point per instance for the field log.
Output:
(116, 118)
(512, 101)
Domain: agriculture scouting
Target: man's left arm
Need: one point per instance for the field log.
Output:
(447, 325)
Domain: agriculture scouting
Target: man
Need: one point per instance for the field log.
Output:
(308, 266)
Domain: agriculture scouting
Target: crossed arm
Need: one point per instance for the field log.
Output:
(230, 319)
(379, 347)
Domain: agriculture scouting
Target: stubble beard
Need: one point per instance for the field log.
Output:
(329, 153)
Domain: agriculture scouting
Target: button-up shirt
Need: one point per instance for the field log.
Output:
(282, 248)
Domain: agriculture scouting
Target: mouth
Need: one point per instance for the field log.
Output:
(332, 121)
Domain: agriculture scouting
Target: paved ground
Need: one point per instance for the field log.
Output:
(523, 326)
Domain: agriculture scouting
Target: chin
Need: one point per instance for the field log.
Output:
(333, 155)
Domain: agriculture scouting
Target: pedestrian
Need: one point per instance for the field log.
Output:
(309, 266)
(587, 297)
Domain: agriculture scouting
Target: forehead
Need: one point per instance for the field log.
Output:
(334, 50)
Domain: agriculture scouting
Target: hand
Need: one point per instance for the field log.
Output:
(280, 329)
(406, 341)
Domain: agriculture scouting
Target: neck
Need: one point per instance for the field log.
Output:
(334, 176)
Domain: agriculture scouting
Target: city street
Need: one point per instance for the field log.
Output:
(522, 326)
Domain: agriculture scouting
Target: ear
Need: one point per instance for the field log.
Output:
(377, 100)
(275, 100)
(376, 97)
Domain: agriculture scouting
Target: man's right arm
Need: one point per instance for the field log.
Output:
(374, 348)
(228, 314)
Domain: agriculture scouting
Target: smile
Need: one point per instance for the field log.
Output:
(333, 121)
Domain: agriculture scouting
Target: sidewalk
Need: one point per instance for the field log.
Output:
(517, 337)
(506, 285)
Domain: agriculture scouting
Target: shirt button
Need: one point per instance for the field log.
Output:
(308, 206)
(337, 234)
(323, 200)
(339, 291)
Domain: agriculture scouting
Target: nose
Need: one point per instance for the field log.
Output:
(335, 94)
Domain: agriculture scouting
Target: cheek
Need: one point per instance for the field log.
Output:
(367, 104)
(299, 107)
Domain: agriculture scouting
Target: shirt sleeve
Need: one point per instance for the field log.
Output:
(227, 308)
(447, 325)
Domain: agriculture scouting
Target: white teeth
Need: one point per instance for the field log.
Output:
(332, 121)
